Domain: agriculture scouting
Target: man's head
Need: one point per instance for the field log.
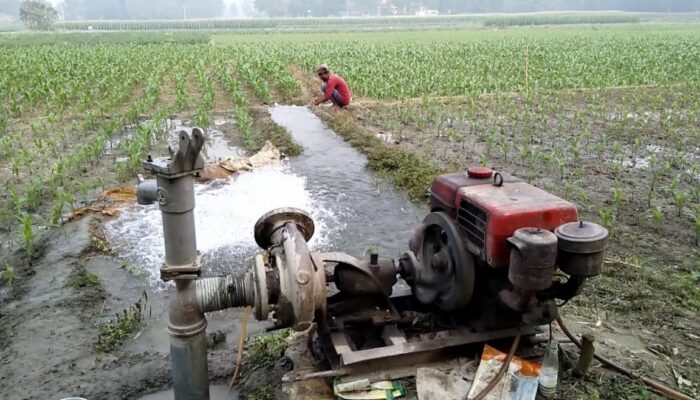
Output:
(323, 72)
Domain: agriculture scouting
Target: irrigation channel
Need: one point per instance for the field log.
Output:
(352, 209)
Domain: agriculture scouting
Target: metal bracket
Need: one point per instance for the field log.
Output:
(186, 161)
(184, 272)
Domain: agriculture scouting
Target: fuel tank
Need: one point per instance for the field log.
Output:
(490, 206)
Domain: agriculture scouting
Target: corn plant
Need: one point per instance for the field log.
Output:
(657, 215)
(9, 275)
(617, 197)
(28, 235)
(679, 198)
(608, 219)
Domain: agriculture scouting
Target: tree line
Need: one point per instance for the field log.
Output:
(181, 9)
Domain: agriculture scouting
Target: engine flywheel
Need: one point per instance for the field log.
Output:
(446, 269)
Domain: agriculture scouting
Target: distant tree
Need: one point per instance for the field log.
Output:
(37, 15)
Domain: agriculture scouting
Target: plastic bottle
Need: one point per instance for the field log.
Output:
(550, 370)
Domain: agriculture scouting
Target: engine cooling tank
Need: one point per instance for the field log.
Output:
(581, 248)
(533, 253)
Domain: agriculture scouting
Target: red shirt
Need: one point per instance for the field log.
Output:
(337, 83)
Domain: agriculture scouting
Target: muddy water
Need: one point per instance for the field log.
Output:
(353, 211)
(216, 392)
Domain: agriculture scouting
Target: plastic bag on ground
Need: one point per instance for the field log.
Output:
(518, 383)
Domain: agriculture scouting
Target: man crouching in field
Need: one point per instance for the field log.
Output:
(334, 88)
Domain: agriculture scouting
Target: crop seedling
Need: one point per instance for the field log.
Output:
(57, 212)
(658, 215)
(608, 219)
(84, 188)
(28, 235)
(617, 198)
(9, 275)
(680, 199)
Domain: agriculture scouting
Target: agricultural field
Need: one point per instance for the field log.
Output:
(606, 117)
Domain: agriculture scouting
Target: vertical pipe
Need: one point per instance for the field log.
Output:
(188, 344)
(186, 323)
(176, 199)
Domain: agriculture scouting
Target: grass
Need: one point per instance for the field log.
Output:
(134, 270)
(81, 278)
(8, 275)
(652, 293)
(265, 350)
(101, 245)
(404, 169)
(262, 392)
(115, 332)
(268, 130)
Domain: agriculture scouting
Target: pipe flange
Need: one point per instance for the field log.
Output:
(184, 331)
(181, 272)
(278, 218)
(262, 306)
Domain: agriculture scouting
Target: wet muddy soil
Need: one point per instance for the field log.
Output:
(49, 330)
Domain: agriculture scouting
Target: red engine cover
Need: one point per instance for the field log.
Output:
(508, 208)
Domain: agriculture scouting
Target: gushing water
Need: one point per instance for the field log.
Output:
(225, 214)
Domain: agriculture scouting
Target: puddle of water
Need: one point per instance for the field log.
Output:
(223, 121)
(668, 114)
(216, 392)
(216, 146)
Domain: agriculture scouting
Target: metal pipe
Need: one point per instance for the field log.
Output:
(188, 344)
(174, 192)
(146, 191)
(176, 199)
(215, 294)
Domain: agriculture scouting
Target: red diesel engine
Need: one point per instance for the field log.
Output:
(492, 244)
